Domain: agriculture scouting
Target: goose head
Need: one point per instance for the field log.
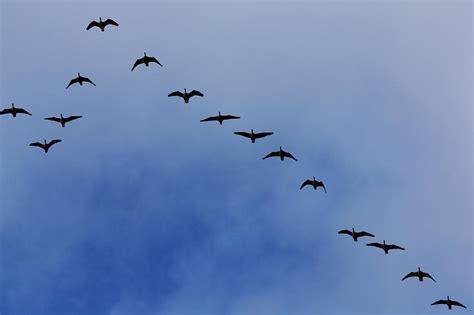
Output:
(383, 243)
(281, 149)
(219, 113)
(448, 299)
(100, 19)
(144, 54)
(13, 106)
(353, 232)
(419, 269)
(62, 117)
(78, 75)
(251, 131)
(185, 91)
(314, 180)
(44, 141)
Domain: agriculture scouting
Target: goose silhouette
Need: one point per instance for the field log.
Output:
(355, 235)
(146, 60)
(385, 247)
(80, 79)
(46, 145)
(419, 274)
(14, 111)
(101, 24)
(449, 303)
(313, 183)
(63, 120)
(186, 96)
(282, 154)
(220, 118)
(253, 136)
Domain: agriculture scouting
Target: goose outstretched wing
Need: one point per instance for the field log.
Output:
(37, 144)
(457, 304)
(321, 184)
(345, 232)
(88, 80)
(138, 62)
(262, 134)
(6, 111)
(176, 93)
(153, 59)
(110, 22)
(427, 275)
(243, 134)
(226, 117)
(92, 24)
(22, 111)
(75, 80)
(378, 245)
(440, 302)
(212, 118)
(308, 182)
(393, 246)
(411, 274)
(53, 142)
(271, 154)
(364, 233)
(71, 118)
(288, 154)
(195, 93)
(56, 119)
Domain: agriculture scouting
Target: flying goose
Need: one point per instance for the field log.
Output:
(313, 183)
(448, 302)
(79, 80)
(101, 24)
(146, 60)
(14, 110)
(385, 247)
(220, 118)
(355, 235)
(420, 274)
(186, 96)
(63, 120)
(253, 136)
(282, 154)
(45, 146)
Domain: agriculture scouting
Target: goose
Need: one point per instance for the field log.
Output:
(220, 118)
(14, 110)
(420, 274)
(449, 303)
(313, 183)
(63, 120)
(253, 136)
(355, 235)
(186, 96)
(146, 60)
(385, 247)
(45, 146)
(282, 154)
(79, 80)
(101, 24)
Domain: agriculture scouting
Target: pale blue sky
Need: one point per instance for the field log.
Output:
(142, 209)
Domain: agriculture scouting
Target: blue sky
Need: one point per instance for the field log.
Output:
(142, 209)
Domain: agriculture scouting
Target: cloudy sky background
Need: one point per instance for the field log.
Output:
(142, 209)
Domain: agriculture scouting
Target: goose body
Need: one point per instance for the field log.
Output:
(282, 154)
(419, 274)
(63, 120)
(14, 111)
(80, 79)
(146, 60)
(101, 24)
(355, 235)
(385, 247)
(449, 303)
(253, 136)
(186, 96)
(46, 145)
(220, 118)
(313, 183)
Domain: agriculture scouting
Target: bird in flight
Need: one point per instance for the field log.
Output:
(186, 96)
(146, 60)
(253, 136)
(101, 24)
(220, 118)
(63, 120)
(313, 183)
(420, 274)
(449, 303)
(14, 110)
(79, 79)
(385, 247)
(282, 154)
(355, 235)
(46, 145)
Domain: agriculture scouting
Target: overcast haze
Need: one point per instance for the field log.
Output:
(142, 209)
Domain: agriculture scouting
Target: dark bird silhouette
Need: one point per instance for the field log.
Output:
(80, 80)
(45, 146)
(14, 110)
(355, 235)
(253, 136)
(282, 154)
(101, 24)
(186, 96)
(63, 120)
(449, 303)
(146, 60)
(220, 118)
(385, 247)
(420, 274)
(313, 183)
